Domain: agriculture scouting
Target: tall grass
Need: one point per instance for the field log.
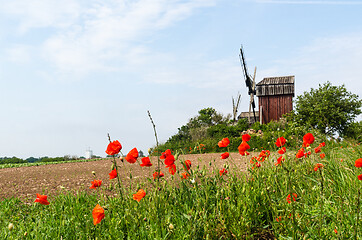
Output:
(238, 205)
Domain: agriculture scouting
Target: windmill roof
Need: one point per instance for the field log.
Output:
(277, 80)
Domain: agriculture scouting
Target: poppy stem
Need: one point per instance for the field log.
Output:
(322, 204)
(357, 210)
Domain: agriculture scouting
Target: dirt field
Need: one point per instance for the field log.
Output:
(25, 182)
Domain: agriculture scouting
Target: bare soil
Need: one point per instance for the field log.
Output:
(54, 179)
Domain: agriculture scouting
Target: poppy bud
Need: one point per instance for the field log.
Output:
(11, 226)
(171, 227)
(25, 234)
(94, 173)
(121, 158)
(149, 150)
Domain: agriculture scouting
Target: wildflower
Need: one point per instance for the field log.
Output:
(42, 199)
(158, 175)
(169, 158)
(359, 177)
(224, 142)
(95, 184)
(317, 149)
(223, 172)
(171, 169)
(322, 144)
(112, 174)
(358, 163)
(308, 139)
(294, 197)
(139, 195)
(98, 214)
(185, 175)
(146, 162)
(11, 226)
(132, 156)
(335, 231)
(300, 153)
(282, 150)
(279, 161)
(278, 219)
(246, 137)
(187, 165)
(113, 148)
(322, 155)
(224, 155)
(243, 147)
(317, 166)
(280, 141)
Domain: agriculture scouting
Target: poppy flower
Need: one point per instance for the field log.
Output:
(308, 139)
(282, 150)
(335, 231)
(322, 155)
(98, 214)
(243, 147)
(146, 162)
(246, 137)
(95, 184)
(279, 161)
(360, 177)
(224, 142)
(294, 197)
(280, 141)
(132, 156)
(112, 174)
(322, 144)
(185, 175)
(223, 172)
(166, 154)
(358, 163)
(171, 169)
(317, 166)
(113, 148)
(317, 149)
(300, 153)
(158, 175)
(278, 219)
(42, 199)
(187, 165)
(224, 155)
(139, 195)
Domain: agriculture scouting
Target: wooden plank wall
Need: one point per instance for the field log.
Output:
(275, 106)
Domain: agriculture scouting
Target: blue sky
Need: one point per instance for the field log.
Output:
(73, 71)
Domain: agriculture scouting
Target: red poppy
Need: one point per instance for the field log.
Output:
(224, 142)
(158, 175)
(166, 153)
(169, 158)
(223, 172)
(146, 162)
(139, 195)
(294, 198)
(95, 184)
(171, 169)
(98, 214)
(224, 155)
(358, 163)
(317, 166)
(335, 231)
(185, 175)
(279, 161)
(187, 165)
(278, 219)
(243, 147)
(360, 177)
(42, 199)
(322, 155)
(300, 153)
(322, 144)
(308, 139)
(112, 174)
(317, 149)
(282, 150)
(280, 141)
(132, 156)
(113, 148)
(246, 137)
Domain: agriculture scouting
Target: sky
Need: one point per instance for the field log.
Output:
(73, 71)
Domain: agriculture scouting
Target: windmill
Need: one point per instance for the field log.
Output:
(236, 106)
(250, 83)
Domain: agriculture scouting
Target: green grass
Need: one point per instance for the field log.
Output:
(14, 165)
(238, 205)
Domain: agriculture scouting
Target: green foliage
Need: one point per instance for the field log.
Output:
(330, 109)
(354, 131)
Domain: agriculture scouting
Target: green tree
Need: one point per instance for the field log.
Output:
(330, 109)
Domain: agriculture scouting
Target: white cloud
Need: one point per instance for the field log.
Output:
(311, 2)
(19, 53)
